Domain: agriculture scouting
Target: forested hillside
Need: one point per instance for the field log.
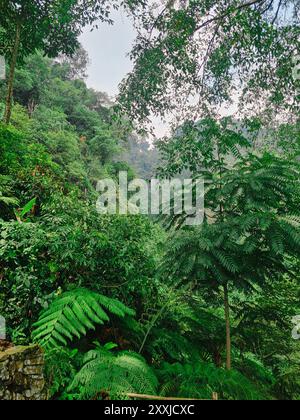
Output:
(137, 304)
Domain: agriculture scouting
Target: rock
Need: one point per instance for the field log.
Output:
(22, 374)
(4, 345)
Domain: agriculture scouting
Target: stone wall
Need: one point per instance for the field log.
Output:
(21, 374)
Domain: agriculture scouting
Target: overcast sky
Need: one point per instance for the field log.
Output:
(108, 48)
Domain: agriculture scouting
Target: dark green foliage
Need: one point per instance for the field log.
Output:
(251, 225)
(61, 366)
(200, 380)
(249, 238)
(224, 294)
(64, 241)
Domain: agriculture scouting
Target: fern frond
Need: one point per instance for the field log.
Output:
(201, 380)
(73, 314)
(125, 372)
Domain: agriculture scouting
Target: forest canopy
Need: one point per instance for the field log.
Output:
(128, 305)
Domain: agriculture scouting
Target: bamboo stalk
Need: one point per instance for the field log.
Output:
(158, 398)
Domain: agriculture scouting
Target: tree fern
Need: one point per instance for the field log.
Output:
(73, 314)
(250, 223)
(116, 374)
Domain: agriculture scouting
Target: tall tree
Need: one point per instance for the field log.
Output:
(52, 26)
(251, 222)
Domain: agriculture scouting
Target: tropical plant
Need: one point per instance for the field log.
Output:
(116, 375)
(28, 208)
(251, 217)
(201, 380)
(206, 297)
(73, 314)
(61, 366)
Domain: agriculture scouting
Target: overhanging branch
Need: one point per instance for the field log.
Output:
(229, 12)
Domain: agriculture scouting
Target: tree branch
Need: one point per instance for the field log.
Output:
(229, 12)
(277, 12)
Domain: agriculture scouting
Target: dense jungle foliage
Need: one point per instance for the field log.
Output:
(135, 304)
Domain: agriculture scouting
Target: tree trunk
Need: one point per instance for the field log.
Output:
(31, 107)
(228, 327)
(217, 357)
(10, 83)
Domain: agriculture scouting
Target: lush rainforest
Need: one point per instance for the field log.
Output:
(148, 304)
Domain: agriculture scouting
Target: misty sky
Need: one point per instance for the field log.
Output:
(108, 48)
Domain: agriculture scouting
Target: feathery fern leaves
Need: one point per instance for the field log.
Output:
(202, 379)
(103, 371)
(73, 314)
(253, 368)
